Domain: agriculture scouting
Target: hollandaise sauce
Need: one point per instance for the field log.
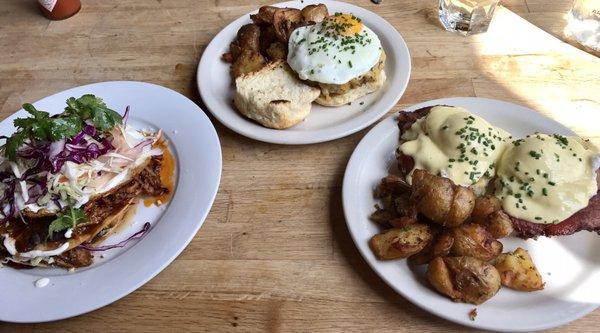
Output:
(546, 178)
(453, 143)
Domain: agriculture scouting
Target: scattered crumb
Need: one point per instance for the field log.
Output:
(362, 103)
(473, 314)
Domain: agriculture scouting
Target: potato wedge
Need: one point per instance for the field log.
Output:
(399, 243)
(472, 240)
(517, 271)
(464, 279)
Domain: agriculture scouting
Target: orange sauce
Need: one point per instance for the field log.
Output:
(167, 172)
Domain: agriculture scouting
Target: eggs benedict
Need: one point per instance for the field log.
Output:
(340, 55)
(453, 143)
(545, 179)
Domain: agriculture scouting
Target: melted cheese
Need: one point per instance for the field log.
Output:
(546, 179)
(453, 143)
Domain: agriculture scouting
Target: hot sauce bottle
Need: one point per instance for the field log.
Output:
(59, 9)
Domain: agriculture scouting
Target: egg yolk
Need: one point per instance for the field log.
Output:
(345, 24)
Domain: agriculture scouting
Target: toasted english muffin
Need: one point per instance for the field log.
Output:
(274, 96)
(352, 94)
(336, 95)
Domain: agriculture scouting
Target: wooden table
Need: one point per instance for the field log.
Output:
(275, 253)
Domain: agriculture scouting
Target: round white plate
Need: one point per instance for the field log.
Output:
(323, 123)
(570, 265)
(196, 148)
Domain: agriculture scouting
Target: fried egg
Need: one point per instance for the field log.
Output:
(334, 51)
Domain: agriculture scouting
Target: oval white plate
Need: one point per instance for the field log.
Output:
(323, 123)
(570, 266)
(196, 148)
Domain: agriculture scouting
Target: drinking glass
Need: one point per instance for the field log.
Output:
(583, 23)
(467, 17)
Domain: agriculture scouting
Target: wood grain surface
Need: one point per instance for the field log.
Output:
(275, 254)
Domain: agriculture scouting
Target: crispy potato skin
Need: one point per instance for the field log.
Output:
(439, 247)
(398, 211)
(248, 37)
(464, 279)
(315, 13)
(517, 271)
(399, 243)
(473, 240)
(277, 51)
(499, 224)
(285, 20)
(264, 16)
(441, 200)
(488, 213)
(247, 62)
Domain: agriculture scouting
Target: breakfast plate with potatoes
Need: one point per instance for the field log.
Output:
(482, 212)
(303, 72)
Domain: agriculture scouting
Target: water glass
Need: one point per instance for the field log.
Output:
(467, 17)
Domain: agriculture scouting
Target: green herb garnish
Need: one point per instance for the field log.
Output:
(43, 127)
(67, 220)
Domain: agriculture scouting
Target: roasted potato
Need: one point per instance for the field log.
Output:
(399, 243)
(472, 240)
(398, 210)
(248, 37)
(499, 224)
(264, 16)
(483, 207)
(277, 50)
(285, 20)
(440, 200)
(464, 279)
(517, 271)
(439, 247)
(248, 61)
(315, 13)
(392, 185)
(488, 213)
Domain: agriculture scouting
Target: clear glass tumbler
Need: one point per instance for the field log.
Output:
(467, 17)
(583, 23)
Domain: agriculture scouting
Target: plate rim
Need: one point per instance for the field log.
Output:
(353, 168)
(185, 241)
(305, 137)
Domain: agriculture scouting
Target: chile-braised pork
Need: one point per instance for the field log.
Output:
(29, 235)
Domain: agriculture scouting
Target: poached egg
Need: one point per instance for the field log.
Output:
(546, 178)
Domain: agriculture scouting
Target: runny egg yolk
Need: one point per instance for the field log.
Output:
(344, 24)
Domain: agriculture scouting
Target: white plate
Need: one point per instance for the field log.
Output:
(570, 265)
(195, 146)
(323, 123)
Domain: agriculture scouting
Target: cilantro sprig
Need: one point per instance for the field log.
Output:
(67, 220)
(40, 126)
